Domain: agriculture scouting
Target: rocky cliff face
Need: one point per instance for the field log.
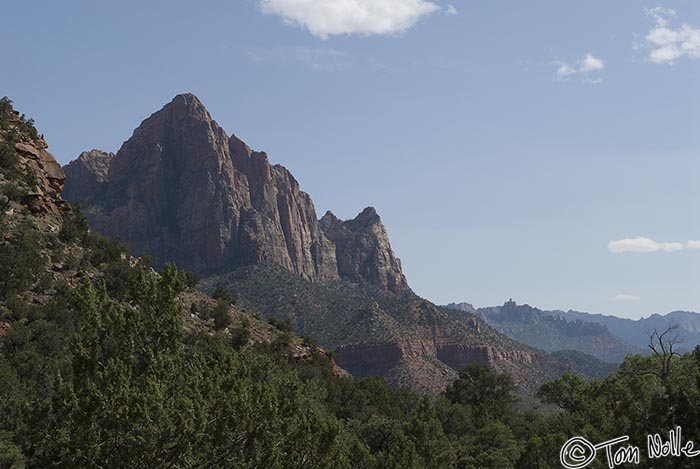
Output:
(280, 224)
(87, 174)
(41, 176)
(363, 250)
(181, 190)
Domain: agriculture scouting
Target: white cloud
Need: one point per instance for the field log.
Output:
(624, 297)
(590, 64)
(666, 44)
(693, 244)
(588, 67)
(450, 10)
(339, 17)
(642, 245)
(565, 71)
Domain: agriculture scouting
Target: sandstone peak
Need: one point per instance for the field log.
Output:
(368, 212)
(181, 190)
(365, 220)
(187, 103)
(328, 220)
(183, 114)
(364, 252)
(184, 191)
(86, 174)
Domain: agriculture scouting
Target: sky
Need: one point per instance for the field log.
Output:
(542, 151)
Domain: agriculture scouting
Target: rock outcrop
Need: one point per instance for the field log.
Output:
(87, 174)
(43, 177)
(183, 191)
(363, 250)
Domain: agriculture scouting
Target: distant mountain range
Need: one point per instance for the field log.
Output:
(608, 338)
(636, 332)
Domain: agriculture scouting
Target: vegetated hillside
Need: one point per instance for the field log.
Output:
(404, 338)
(636, 332)
(584, 364)
(535, 327)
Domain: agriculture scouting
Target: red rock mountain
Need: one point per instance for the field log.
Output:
(363, 250)
(184, 191)
(91, 169)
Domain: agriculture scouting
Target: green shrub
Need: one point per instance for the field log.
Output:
(103, 250)
(282, 341)
(8, 159)
(75, 227)
(191, 279)
(21, 260)
(10, 455)
(284, 325)
(12, 191)
(222, 294)
(240, 337)
(221, 317)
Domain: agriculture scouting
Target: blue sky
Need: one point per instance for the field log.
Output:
(505, 144)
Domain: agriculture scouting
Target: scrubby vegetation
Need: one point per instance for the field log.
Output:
(104, 375)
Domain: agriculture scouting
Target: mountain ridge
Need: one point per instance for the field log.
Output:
(633, 332)
(636, 331)
(182, 190)
(552, 333)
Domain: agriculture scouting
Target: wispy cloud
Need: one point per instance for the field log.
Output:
(450, 10)
(319, 59)
(624, 297)
(346, 17)
(589, 64)
(642, 245)
(588, 67)
(667, 44)
(565, 71)
(693, 244)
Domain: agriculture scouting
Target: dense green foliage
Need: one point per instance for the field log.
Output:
(103, 375)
